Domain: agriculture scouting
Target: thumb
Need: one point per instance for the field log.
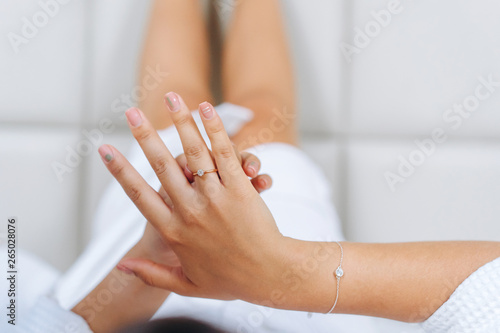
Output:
(155, 274)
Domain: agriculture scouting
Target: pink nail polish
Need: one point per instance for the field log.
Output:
(134, 117)
(207, 110)
(106, 153)
(173, 102)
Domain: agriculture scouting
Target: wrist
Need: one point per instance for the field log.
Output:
(305, 278)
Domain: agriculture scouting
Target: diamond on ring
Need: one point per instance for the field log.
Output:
(202, 172)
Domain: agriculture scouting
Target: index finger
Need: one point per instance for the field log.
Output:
(228, 164)
(159, 157)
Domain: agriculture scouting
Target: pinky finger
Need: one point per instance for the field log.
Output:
(262, 183)
(251, 164)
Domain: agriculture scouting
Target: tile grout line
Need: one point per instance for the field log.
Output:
(84, 119)
(343, 149)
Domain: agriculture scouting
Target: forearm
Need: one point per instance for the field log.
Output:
(119, 300)
(404, 281)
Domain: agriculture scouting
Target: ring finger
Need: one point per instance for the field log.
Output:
(197, 154)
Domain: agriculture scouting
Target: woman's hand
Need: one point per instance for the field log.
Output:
(153, 247)
(218, 226)
(249, 162)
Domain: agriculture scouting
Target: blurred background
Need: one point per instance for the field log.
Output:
(399, 104)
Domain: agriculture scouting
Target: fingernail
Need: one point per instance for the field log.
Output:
(134, 117)
(173, 102)
(187, 168)
(263, 183)
(207, 110)
(124, 269)
(106, 153)
(252, 167)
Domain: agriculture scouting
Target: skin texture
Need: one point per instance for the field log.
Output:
(256, 66)
(176, 42)
(133, 300)
(225, 218)
(257, 73)
(400, 281)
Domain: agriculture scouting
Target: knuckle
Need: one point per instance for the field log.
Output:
(183, 119)
(133, 193)
(224, 152)
(160, 165)
(144, 135)
(194, 152)
(118, 170)
(218, 128)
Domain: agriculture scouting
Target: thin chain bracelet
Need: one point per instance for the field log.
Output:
(339, 272)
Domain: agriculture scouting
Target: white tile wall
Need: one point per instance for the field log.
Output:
(114, 54)
(46, 205)
(452, 195)
(356, 117)
(315, 31)
(42, 78)
(427, 59)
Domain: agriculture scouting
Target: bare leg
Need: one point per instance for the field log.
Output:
(177, 43)
(257, 73)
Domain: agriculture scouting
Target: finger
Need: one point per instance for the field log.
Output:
(227, 162)
(155, 275)
(262, 183)
(237, 152)
(166, 198)
(196, 151)
(146, 199)
(251, 164)
(182, 161)
(158, 155)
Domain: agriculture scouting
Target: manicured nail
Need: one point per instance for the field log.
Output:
(187, 168)
(173, 101)
(134, 117)
(124, 269)
(207, 110)
(263, 183)
(106, 153)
